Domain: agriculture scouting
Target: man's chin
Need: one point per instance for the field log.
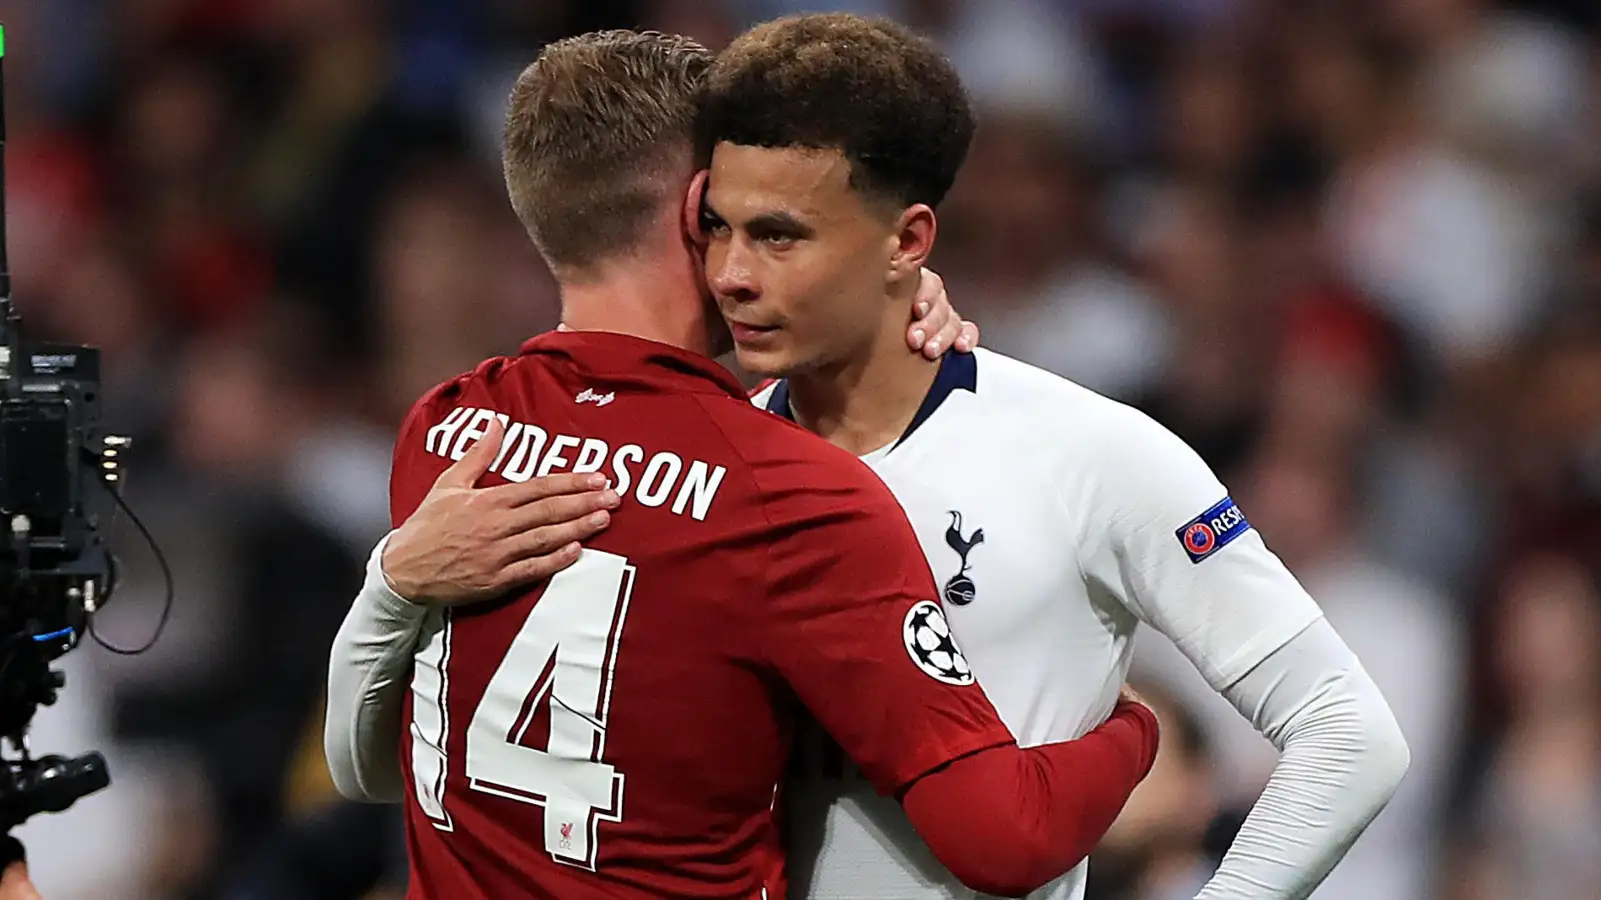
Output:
(762, 362)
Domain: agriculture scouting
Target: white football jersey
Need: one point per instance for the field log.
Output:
(1055, 520)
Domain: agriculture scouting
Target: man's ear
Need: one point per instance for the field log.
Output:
(915, 229)
(692, 202)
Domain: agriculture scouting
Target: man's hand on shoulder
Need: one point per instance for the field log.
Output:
(935, 325)
(466, 543)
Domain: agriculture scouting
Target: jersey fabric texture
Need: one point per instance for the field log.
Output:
(621, 731)
(1055, 521)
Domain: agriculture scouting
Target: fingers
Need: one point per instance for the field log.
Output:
(522, 572)
(967, 339)
(937, 326)
(535, 551)
(521, 493)
(466, 471)
(558, 510)
(547, 539)
(944, 337)
(929, 311)
(930, 291)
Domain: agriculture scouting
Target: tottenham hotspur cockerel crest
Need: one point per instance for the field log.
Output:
(959, 591)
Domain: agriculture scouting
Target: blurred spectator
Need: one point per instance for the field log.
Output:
(1023, 245)
(1534, 830)
(1552, 464)
(445, 248)
(1450, 248)
(1209, 394)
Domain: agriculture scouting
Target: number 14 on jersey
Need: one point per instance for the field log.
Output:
(561, 661)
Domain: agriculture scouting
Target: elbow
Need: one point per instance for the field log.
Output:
(350, 784)
(1370, 740)
(1389, 757)
(1025, 865)
(1385, 756)
(986, 844)
(350, 789)
(353, 781)
(342, 768)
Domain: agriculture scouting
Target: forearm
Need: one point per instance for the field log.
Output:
(1342, 757)
(367, 671)
(1008, 820)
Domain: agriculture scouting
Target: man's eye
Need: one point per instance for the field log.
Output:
(713, 225)
(778, 240)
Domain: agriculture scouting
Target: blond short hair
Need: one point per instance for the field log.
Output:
(597, 127)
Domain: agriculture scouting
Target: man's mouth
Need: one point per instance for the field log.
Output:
(747, 334)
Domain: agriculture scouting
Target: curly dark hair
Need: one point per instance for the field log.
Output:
(886, 98)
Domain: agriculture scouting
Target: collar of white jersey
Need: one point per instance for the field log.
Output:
(957, 372)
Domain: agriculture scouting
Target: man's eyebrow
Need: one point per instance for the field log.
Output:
(779, 222)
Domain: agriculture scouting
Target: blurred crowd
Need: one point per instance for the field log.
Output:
(1350, 250)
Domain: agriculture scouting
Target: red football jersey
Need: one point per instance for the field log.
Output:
(621, 731)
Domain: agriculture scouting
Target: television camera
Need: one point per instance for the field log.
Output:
(58, 469)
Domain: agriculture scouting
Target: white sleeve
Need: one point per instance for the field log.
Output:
(367, 674)
(1168, 542)
(1165, 539)
(1342, 759)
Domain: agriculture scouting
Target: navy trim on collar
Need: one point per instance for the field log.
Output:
(957, 371)
(778, 400)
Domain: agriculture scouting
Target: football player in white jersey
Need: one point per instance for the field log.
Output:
(1056, 519)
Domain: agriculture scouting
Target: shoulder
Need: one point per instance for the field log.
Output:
(1113, 467)
(816, 501)
(826, 526)
(1067, 419)
(1010, 387)
(787, 461)
(440, 399)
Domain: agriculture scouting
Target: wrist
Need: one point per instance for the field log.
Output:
(1143, 718)
(402, 588)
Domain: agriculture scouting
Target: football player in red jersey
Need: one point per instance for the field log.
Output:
(622, 730)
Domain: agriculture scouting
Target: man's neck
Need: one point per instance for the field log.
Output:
(867, 402)
(640, 298)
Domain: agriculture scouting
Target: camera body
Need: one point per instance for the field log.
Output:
(56, 465)
(54, 569)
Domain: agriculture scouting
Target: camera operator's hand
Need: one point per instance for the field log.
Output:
(466, 543)
(14, 884)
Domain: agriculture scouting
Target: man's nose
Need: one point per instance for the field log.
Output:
(730, 272)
